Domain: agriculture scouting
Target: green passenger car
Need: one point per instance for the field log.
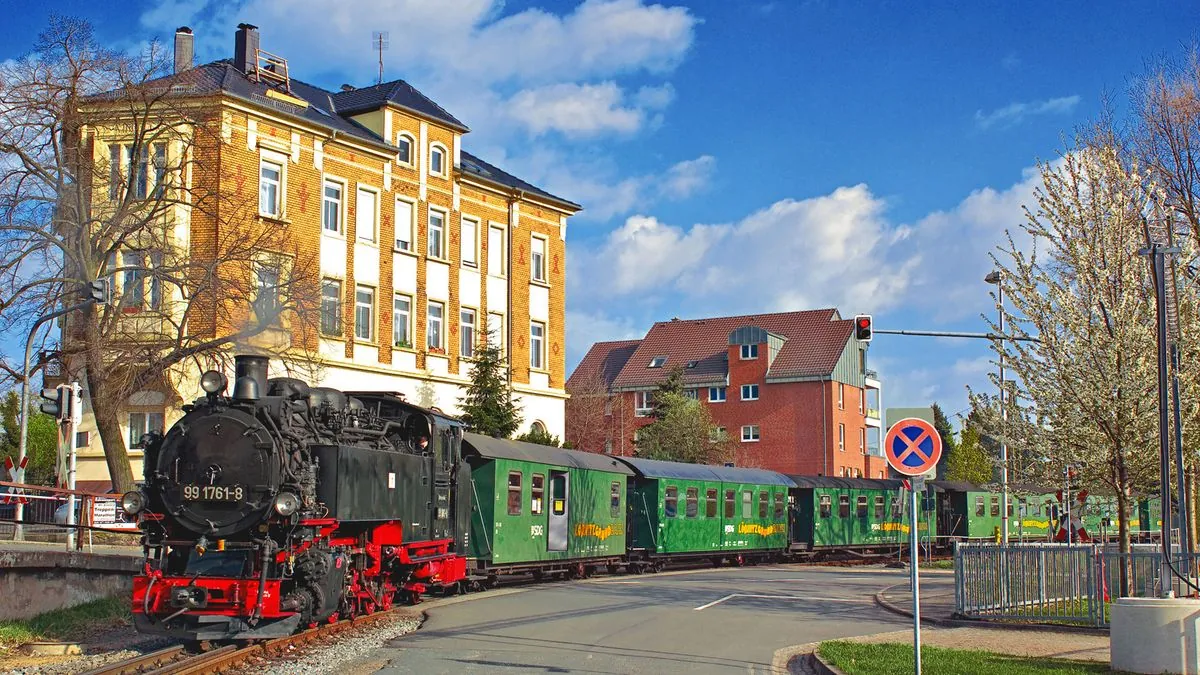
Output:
(540, 509)
(972, 512)
(843, 513)
(693, 510)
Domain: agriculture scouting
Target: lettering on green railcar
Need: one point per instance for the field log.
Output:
(600, 533)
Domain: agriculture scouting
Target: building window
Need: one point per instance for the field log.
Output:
(437, 160)
(842, 437)
(133, 281)
(142, 423)
(402, 321)
(331, 207)
(608, 446)
(747, 504)
(437, 233)
(861, 506)
(405, 224)
(614, 500)
(692, 393)
(115, 180)
(266, 293)
(749, 352)
(331, 307)
(750, 433)
(404, 145)
(83, 438)
(366, 214)
(862, 441)
(538, 259)
(537, 345)
(843, 505)
(826, 503)
(138, 169)
(716, 394)
(671, 501)
(537, 490)
(466, 333)
(657, 362)
(643, 403)
(841, 396)
(495, 247)
(749, 392)
(364, 313)
(433, 329)
(270, 184)
(862, 401)
(514, 493)
(495, 328)
(469, 241)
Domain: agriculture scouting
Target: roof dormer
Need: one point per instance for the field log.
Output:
(753, 342)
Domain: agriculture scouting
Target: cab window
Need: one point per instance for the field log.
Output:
(692, 506)
(710, 503)
(514, 493)
(826, 506)
(671, 502)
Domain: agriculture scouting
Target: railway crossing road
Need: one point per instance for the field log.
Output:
(728, 620)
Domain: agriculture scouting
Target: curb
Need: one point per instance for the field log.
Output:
(882, 602)
(821, 666)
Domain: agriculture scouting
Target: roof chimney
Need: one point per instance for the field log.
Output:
(245, 48)
(184, 48)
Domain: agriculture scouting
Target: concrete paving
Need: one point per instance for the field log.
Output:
(704, 621)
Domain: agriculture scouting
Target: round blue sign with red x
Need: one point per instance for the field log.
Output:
(912, 446)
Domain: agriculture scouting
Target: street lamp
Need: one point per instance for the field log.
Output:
(996, 277)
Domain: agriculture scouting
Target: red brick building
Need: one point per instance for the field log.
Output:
(790, 391)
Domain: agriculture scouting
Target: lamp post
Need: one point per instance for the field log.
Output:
(997, 278)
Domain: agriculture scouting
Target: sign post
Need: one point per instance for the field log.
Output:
(913, 448)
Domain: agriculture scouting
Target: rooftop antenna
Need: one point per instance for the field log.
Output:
(379, 40)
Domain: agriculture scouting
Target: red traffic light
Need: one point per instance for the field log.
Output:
(862, 327)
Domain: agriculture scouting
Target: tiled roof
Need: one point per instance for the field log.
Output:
(815, 340)
(604, 359)
(330, 110)
(473, 165)
(397, 92)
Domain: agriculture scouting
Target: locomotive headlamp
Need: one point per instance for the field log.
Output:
(213, 382)
(133, 502)
(286, 503)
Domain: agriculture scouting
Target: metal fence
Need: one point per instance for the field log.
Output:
(44, 514)
(1056, 583)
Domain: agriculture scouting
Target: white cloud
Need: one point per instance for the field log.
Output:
(689, 177)
(575, 109)
(1015, 113)
(655, 98)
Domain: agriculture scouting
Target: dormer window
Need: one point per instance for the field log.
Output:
(692, 364)
(749, 352)
(405, 144)
(657, 362)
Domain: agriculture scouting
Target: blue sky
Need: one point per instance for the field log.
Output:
(736, 157)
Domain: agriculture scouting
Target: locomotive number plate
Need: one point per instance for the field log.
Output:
(214, 493)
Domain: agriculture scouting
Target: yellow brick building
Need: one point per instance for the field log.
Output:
(422, 248)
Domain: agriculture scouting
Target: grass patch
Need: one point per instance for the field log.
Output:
(938, 565)
(856, 658)
(65, 623)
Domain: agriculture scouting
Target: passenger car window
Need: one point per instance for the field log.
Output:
(747, 504)
(826, 506)
(843, 506)
(671, 502)
(861, 507)
(558, 494)
(762, 505)
(710, 505)
(692, 507)
(615, 499)
(995, 505)
(778, 506)
(537, 490)
(896, 510)
(879, 508)
(979, 505)
(730, 502)
(514, 493)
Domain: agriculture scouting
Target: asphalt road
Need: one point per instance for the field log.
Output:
(729, 620)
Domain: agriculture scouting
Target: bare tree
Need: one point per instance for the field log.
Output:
(589, 411)
(109, 168)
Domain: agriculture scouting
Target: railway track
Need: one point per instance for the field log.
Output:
(178, 661)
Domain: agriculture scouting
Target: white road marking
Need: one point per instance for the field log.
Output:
(773, 597)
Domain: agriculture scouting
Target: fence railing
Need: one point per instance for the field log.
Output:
(1056, 583)
(44, 513)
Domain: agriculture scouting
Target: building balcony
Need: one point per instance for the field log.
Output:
(871, 380)
(873, 418)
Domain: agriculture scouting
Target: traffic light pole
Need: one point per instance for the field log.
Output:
(19, 515)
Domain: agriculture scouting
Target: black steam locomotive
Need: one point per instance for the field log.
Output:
(284, 505)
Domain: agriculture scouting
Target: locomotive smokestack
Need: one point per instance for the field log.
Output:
(250, 377)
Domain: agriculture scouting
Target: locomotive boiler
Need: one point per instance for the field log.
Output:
(280, 505)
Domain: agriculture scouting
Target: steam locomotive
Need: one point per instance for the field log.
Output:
(281, 505)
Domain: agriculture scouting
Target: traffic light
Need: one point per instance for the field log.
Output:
(54, 405)
(862, 327)
(97, 291)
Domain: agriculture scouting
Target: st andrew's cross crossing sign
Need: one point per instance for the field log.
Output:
(912, 446)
